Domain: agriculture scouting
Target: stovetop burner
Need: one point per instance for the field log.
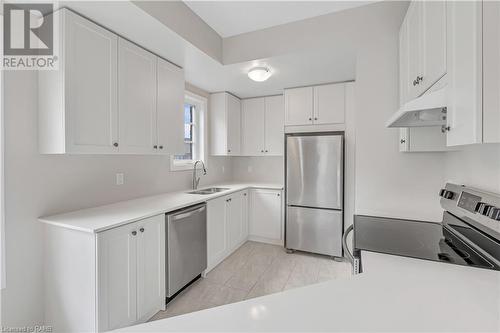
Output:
(416, 239)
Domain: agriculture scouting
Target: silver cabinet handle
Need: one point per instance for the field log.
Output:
(310, 119)
(161, 147)
(155, 146)
(134, 233)
(315, 118)
(141, 230)
(445, 129)
(403, 141)
(115, 144)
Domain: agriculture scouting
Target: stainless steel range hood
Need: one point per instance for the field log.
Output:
(426, 110)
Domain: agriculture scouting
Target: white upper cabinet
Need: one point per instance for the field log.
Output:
(136, 99)
(491, 72)
(262, 126)
(225, 124)
(413, 22)
(78, 110)
(274, 125)
(109, 96)
(298, 106)
(434, 42)
(329, 104)
(422, 45)
(319, 105)
(253, 123)
(170, 106)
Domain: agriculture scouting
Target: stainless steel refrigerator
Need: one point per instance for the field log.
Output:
(314, 172)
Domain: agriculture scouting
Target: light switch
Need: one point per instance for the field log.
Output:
(119, 179)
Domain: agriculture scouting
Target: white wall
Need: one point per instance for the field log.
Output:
(387, 182)
(475, 165)
(258, 169)
(39, 185)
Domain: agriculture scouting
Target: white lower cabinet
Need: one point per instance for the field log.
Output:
(130, 273)
(265, 215)
(216, 232)
(227, 226)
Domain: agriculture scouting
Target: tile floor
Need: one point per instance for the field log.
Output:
(254, 270)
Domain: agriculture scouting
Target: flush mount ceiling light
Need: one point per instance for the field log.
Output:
(259, 74)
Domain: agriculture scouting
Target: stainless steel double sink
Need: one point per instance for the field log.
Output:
(209, 190)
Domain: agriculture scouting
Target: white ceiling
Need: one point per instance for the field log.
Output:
(231, 18)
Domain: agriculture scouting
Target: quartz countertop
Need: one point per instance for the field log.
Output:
(413, 295)
(105, 217)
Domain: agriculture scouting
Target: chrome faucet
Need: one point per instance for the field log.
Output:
(196, 181)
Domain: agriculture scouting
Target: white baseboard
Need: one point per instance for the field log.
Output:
(266, 240)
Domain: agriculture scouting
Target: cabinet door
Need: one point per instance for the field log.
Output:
(216, 231)
(233, 125)
(91, 86)
(265, 214)
(117, 273)
(298, 106)
(274, 125)
(491, 72)
(170, 106)
(329, 104)
(218, 124)
(422, 139)
(404, 139)
(434, 42)
(252, 124)
(403, 63)
(464, 91)
(136, 99)
(150, 267)
(234, 220)
(414, 31)
(244, 203)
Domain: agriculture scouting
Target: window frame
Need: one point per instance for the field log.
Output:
(199, 133)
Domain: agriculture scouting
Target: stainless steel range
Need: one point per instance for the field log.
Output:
(468, 235)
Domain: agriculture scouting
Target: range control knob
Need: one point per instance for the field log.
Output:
(446, 194)
(494, 214)
(483, 208)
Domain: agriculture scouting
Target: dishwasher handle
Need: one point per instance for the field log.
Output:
(188, 212)
(352, 259)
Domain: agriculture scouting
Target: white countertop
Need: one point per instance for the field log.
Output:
(421, 296)
(101, 218)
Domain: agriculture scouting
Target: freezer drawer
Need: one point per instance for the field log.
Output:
(314, 230)
(186, 247)
(314, 170)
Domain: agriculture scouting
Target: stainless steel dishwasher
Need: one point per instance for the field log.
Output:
(186, 247)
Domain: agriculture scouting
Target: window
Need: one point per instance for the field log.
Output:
(189, 110)
(194, 133)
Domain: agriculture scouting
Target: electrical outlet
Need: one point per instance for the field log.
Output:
(250, 169)
(119, 179)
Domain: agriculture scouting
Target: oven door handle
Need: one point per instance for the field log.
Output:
(353, 260)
